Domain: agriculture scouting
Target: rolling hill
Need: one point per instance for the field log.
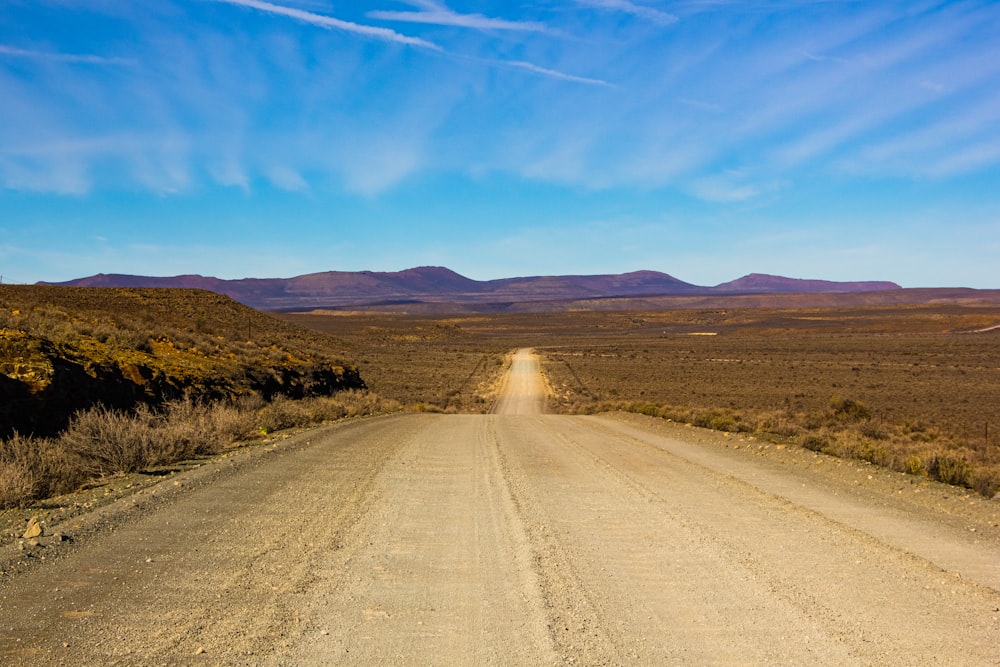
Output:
(431, 288)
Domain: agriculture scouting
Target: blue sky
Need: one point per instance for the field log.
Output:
(706, 139)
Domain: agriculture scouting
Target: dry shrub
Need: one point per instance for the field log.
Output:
(986, 481)
(816, 443)
(426, 407)
(189, 428)
(282, 413)
(324, 409)
(364, 403)
(20, 473)
(847, 409)
(914, 464)
(100, 442)
(106, 442)
(230, 423)
(103, 442)
(287, 413)
(951, 468)
(874, 430)
(720, 419)
(778, 422)
(856, 446)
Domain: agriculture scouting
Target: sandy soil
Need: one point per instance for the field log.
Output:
(515, 538)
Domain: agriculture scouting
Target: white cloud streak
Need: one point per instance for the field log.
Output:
(438, 14)
(520, 64)
(863, 93)
(627, 7)
(84, 59)
(331, 23)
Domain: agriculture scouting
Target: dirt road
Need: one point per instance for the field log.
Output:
(517, 538)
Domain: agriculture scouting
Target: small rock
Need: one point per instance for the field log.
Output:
(34, 528)
(200, 651)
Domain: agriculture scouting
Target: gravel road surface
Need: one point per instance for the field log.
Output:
(515, 538)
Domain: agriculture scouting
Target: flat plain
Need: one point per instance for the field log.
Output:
(935, 364)
(515, 538)
(513, 534)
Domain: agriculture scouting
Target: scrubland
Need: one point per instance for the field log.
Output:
(913, 388)
(101, 382)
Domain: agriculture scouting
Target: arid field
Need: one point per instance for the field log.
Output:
(493, 518)
(914, 388)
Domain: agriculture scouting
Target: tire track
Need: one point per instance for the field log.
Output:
(506, 539)
(442, 572)
(217, 569)
(830, 593)
(574, 621)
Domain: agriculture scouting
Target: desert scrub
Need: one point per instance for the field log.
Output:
(101, 442)
(32, 468)
(20, 464)
(845, 430)
(107, 442)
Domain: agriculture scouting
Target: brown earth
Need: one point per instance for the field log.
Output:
(515, 538)
(912, 388)
(916, 364)
(65, 349)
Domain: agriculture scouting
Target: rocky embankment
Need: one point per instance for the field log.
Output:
(64, 350)
(42, 383)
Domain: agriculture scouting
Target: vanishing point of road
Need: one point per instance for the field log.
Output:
(514, 538)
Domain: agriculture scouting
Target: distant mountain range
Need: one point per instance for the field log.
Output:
(437, 289)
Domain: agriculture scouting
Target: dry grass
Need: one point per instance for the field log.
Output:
(101, 443)
(903, 387)
(118, 380)
(428, 364)
(63, 350)
(900, 387)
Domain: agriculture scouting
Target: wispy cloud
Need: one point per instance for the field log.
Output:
(84, 59)
(287, 178)
(438, 14)
(627, 7)
(731, 186)
(555, 74)
(331, 23)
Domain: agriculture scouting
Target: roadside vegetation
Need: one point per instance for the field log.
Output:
(96, 382)
(432, 364)
(101, 443)
(902, 387)
(924, 404)
(846, 429)
(910, 388)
